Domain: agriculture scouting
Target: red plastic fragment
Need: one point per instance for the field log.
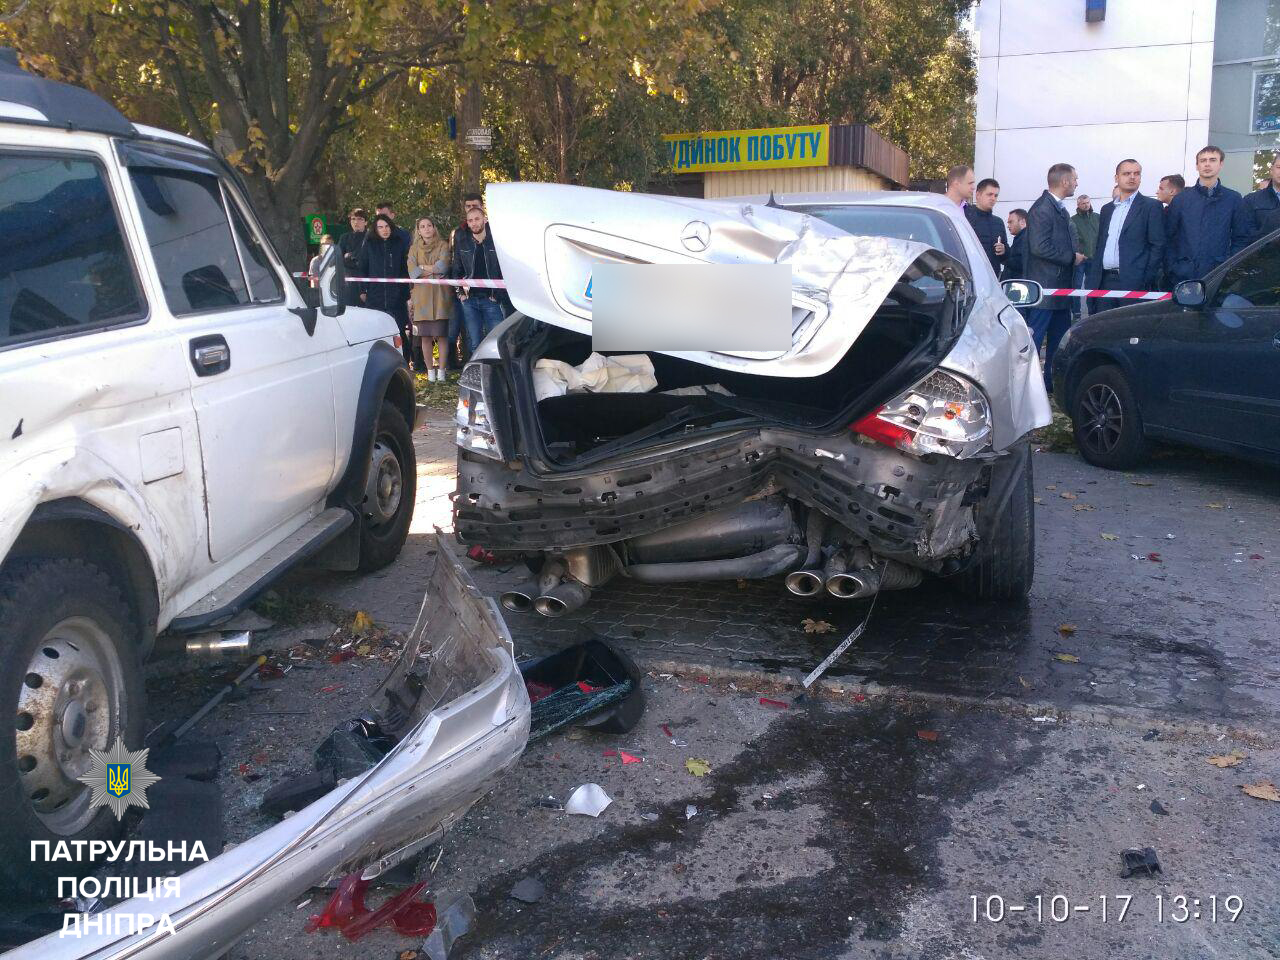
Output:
(610, 753)
(666, 728)
(929, 735)
(538, 690)
(1256, 556)
(480, 555)
(331, 687)
(242, 769)
(628, 758)
(270, 671)
(345, 905)
(770, 702)
(346, 911)
(1154, 558)
(588, 688)
(703, 679)
(342, 656)
(859, 697)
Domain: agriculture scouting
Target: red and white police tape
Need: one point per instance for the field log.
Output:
(1109, 294)
(492, 284)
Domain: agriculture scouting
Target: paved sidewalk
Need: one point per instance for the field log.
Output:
(1186, 631)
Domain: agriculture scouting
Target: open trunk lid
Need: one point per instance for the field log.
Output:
(549, 237)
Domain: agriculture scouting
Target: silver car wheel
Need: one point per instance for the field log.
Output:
(385, 485)
(69, 704)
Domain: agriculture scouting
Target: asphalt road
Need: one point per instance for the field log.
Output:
(959, 752)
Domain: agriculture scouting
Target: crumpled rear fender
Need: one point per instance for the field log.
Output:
(460, 703)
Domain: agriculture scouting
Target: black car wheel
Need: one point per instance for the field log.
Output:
(1005, 565)
(390, 490)
(1106, 420)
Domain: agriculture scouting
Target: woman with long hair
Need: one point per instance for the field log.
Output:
(384, 255)
(432, 303)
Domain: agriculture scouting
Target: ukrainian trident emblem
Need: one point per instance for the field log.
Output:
(118, 778)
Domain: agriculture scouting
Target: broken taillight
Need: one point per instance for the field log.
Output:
(943, 413)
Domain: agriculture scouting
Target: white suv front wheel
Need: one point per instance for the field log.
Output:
(389, 492)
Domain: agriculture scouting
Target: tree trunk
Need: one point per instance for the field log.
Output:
(281, 218)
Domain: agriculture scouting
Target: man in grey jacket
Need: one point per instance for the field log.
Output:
(1052, 256)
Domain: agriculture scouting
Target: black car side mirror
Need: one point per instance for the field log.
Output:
(1022, 293)
(1189, 293)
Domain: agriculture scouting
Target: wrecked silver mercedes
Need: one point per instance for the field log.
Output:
(455, 706)
(885, 444)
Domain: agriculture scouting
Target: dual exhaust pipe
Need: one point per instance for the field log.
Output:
(845, 584)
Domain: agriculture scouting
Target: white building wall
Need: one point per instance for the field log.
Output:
(1055, 89)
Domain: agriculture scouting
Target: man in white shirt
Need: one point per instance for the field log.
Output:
(1131, 239)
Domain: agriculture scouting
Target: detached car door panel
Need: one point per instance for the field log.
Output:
(260, 384)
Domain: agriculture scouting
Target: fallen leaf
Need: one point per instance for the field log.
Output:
(697, 767)
(1023, 681)
(1262, 790)
(930, 735)
(1037, 500)
(816, 626)
(363, 649)
(407, 955)
(1083, 506)
(1232, 759)
(361, 623)
(1214, 506)
(1142, 483)
(1051, 486)
(1154, 558)
(588, 688)
(1067, 495)
(1066, 629)
(1110, 536)
(1066, 657)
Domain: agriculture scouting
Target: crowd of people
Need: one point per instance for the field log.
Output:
(440, 325)
(1136, 242)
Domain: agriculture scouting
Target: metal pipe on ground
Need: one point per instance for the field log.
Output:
(219, 644)
(767, 563)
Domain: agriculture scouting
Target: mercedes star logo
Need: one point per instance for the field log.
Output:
(696, 236)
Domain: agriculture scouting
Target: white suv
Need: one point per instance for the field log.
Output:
(178, 427)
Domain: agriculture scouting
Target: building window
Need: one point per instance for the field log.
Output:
(1266, 101)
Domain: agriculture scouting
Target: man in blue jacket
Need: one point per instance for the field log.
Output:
(1131, 238)
(1264, 204)
(1207, 223)
(1052, 256)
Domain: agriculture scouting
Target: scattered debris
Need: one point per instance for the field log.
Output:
(589, 800)
(1225, 760)
(454, 923)
(770, 702)
(666, 729)
(591, 684)
(1044, 719)
(697, 767)
(1067, 495)
(1262, 790)
(649, 817)
(217, 698)
(1152, 734)
(1158, 808)
(930, 735)
(1110, 536)
(361, 623)
(528, 890)
(690, 812)
(354, 746)
(1154, 558)
(816, 626)
(298, 792)
(1082, 506)
(629, 758)
(1066, 657)
(1066, 629)
(1135, 861)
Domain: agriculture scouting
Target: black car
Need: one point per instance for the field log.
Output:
(1201, 369)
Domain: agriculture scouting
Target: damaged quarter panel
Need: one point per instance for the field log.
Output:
(458, 707)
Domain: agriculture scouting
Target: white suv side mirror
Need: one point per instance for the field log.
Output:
(332, 282)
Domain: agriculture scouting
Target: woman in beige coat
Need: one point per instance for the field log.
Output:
(432, 303)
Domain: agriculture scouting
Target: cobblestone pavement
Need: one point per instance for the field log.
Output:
(1170, 577)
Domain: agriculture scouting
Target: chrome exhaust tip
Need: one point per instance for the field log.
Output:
(219, 644)
(847, 586)
(561, 600)
(520, 599)
(804, 583)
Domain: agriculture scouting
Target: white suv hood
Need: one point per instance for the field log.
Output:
(549, 237)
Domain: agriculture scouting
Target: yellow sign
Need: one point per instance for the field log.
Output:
(763, 149)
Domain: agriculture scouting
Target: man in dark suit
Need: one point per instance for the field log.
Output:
(1264, 204)
(1052, 255)
(1207, 222)
(1015, 264)
(1131, 239)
